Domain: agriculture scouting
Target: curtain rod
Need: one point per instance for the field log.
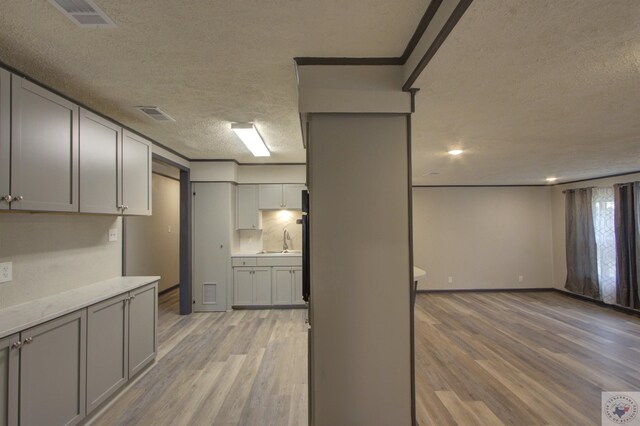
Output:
(601, 187)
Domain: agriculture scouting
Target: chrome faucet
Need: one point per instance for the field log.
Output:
(285, 237)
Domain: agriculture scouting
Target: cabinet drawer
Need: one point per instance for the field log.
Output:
(279, 261)
(243, 261)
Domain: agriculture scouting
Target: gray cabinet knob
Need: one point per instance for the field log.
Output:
(7, 198)
(16, 345)
(28, 340)
(133, 296)
(18, 198)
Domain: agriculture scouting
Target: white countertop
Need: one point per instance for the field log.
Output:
(279, 254)
(14, 319)
(418, 273)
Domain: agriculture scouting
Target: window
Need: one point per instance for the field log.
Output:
(604, 224)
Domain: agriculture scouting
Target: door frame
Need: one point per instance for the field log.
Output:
(186, 299)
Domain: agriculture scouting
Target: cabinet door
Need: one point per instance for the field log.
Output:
(281, 284)
(9, 370)
(270, 197)
(136, 175)
(53, 372)
(44, 149)
(242, 286)
(99, 168)
(296, 273)
(107, 349)
(143, 318)
(292, 196)
(262, 286)
(5, 138)
(248, 214)
(211, 230)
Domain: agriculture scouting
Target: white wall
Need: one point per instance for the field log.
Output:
(229, 171)
(151, 249)
(483, 237)
(558, 222)
(56, 252)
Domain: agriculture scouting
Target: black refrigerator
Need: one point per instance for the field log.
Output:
(306, 275)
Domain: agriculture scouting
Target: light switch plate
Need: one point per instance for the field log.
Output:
(113, 234)
(6, 272)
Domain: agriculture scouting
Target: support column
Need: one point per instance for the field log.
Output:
(361, 313)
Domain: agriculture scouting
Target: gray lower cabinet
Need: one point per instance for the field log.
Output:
(296, 273)
(53, 372)
(9, 370)
(252, 286)
(107, 349)
(143, 319)
(287, 285)
(282, 286)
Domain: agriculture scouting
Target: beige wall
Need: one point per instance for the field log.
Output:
(557, 209)
(153, 242)
(483, 237)
(56, 252)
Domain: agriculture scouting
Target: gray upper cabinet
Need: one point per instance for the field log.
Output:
(136, 175)
(107, 349)
(5, 139)
(248, 216)
(292, 196)
(99, 164)
(143, 318)
(280, 196)
(9, 370)
(44, 149)
(270, 197)
(53, 372)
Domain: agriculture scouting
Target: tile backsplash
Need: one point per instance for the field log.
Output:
(274, 222)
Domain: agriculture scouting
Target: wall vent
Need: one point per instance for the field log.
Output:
(83, 13)
(155, 113)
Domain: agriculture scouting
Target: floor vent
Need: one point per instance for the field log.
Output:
(155, 113)
(83, 13)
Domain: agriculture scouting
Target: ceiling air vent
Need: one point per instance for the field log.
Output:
(155, 113)
(83, 13)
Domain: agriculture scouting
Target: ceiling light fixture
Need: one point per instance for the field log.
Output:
(455, 152)
(249, 135)
(552, 179)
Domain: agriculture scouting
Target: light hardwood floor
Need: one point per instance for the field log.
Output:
(233, 368)
(520, 358)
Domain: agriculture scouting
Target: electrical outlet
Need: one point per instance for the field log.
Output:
(6, 272)
(113, 234)
(450, 280)
(520, 278)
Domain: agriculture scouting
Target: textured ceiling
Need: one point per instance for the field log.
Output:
(206, 63)
(532, 89)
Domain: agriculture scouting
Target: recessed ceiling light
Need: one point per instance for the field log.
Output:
(455, 152)
(249, 135)
(552, 179)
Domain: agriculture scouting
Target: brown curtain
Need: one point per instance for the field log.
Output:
(627, 199)
(582, 261)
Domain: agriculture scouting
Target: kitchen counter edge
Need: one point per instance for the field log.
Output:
(17, 318)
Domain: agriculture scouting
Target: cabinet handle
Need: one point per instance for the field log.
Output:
(18, 198)
(133, 296)
(28, 340)
(16, 345)
(7, 198)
